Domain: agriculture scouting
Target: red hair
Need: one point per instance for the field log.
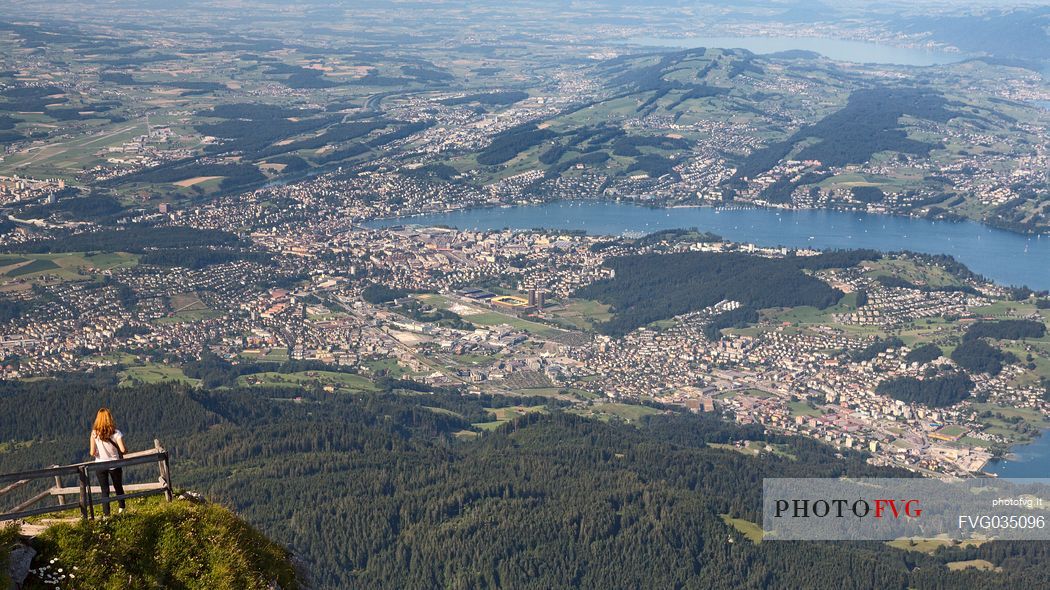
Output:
(105, 426)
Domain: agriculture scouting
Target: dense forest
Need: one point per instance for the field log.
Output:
(197, 258)
(936, 392)
(376, 491)
(133, 238)
(506, 145)
(1007, 330)
(652, 287)
(980, 357)
(869, 123)
(924, 354)
(376, 293)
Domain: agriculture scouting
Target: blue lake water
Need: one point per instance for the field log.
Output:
(836, 49)
(1031, 460)
(1005, 257)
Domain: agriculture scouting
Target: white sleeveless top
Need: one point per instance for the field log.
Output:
(107, 451)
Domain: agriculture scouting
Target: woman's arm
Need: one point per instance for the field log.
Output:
(93, 450)
(120, 445)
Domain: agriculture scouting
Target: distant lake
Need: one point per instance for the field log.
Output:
(1030, 460)
(1005, 257)
(836, 49)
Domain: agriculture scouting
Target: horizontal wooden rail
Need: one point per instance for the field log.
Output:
(32, 500)
(13, 487)
(98, 489)
(40, 473)
(84, 491)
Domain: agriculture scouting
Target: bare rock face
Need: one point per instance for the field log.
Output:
(19, 562)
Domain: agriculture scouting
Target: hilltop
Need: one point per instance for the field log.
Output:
(185, 544)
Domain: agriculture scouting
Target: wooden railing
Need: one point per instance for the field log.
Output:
(83, 491)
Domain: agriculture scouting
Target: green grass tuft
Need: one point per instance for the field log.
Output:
(160, 545)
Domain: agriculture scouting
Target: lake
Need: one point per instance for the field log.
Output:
(836, 49)
(1005, 257)
(1030, 460)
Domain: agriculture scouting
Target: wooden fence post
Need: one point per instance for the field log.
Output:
(58, 484)
(165, 474)
(85, 494)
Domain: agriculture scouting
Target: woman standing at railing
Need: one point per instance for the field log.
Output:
(107, 444)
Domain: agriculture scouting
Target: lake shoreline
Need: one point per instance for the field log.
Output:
(1007, 258)
(722, 207)
(1023, 459)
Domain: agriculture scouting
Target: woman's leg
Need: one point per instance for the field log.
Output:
(103, 482)
(118, 484)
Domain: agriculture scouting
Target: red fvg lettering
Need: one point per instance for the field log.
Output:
(910, 507)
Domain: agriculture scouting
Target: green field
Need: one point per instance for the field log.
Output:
(751, 531)
(346, 381)
(612, 410)
(386, 366)
(154, 374)
(490, 317)
(978, 564)
(583, 314)
(799, 408)
(1008, 430)
(72, 266)
(503, 415)
(38, 265)
(910, 271)
(187, 307)
(557, 392)
(444, 411)
(929, 545)
(11, 260)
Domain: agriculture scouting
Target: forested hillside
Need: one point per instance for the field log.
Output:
(652, 287)
(378, 491)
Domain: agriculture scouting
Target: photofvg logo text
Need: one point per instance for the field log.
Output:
(879, 509)
(842, 508)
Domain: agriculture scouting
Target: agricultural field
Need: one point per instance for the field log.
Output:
(503, 415)
(187, 307)
(22, 271)
(154, 373)
(340, 381)
(606, 411)
(583, 314)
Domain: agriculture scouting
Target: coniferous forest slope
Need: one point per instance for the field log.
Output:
(650, 287)
(377, 491)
